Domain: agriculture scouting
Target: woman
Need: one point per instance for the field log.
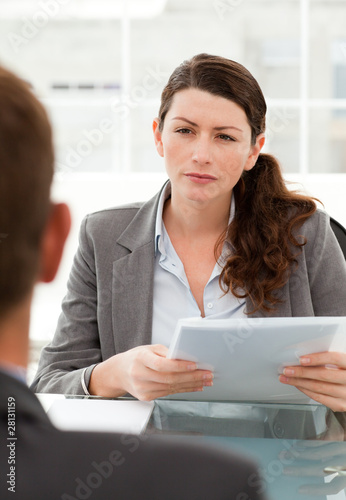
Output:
(223, 238)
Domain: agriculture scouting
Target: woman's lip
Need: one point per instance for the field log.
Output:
(200, 178)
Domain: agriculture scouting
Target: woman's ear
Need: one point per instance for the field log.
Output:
(254, 152)
(53, 242)
(158, 137)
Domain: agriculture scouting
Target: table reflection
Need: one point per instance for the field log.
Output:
(300, 448)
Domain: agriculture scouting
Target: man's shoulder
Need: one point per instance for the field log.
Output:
(16, 395)
(100, 455)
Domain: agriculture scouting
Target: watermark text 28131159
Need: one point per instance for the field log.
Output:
(11, 443)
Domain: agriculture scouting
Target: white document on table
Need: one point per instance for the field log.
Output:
(98, 415)
(247, 355)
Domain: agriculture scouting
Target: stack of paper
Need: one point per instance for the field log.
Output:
(247, 355)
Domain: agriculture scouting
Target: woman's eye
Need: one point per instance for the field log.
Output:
(184, 131)
(225, 137)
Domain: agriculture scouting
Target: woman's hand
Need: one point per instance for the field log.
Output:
(322, 377)
(147, 374)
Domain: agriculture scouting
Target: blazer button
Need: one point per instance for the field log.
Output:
(279, 430)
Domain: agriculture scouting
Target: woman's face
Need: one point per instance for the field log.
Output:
(206, 143)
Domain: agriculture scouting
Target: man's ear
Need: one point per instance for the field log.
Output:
(255, 151)
(158, 137)
(53, 242)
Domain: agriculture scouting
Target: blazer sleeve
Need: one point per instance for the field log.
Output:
(326, 267)
(69, 359)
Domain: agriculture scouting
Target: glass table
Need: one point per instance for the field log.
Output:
(300, 449)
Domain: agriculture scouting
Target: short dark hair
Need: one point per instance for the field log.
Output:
(26, 171)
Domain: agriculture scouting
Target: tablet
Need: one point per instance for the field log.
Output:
(247, 355)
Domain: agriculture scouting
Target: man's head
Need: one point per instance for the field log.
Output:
(32, 230)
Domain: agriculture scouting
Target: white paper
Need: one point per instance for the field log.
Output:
(47, 400)
(101, 415)
(247, 355)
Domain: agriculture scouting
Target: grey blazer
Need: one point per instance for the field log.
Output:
(109, 303)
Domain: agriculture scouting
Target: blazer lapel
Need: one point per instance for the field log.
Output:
(133, 281)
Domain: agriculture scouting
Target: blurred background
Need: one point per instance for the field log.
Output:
(100, 66)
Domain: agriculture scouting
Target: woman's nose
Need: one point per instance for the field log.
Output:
(202, 153)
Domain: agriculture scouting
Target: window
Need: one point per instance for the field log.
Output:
(100, 67)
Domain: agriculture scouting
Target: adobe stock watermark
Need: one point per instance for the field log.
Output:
(48, 9)
(153, 78)
(90, 140)
(120, 108)
(224, 7)
(102, 471)
(291, 451)
(278, 120)
(275, 468)
(242, 331)
(99, 472)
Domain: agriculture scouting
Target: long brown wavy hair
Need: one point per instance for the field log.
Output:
(267, 214)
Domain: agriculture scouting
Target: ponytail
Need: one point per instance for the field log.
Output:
(261, 235)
